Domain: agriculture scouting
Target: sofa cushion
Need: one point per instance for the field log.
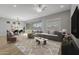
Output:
(59, 34)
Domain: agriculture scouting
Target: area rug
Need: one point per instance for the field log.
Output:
(30, 47)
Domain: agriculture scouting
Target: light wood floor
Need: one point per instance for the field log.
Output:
(28, 47)
(8, 49)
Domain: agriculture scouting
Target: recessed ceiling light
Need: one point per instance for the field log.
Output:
(14, 5)
(61, 6)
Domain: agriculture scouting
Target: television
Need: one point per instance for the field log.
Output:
(75, 23)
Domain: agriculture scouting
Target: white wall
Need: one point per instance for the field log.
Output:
(4, 26)
(61, 19)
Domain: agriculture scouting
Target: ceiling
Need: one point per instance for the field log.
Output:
(26, 11)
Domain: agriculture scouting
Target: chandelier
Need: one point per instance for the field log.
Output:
(39, 7)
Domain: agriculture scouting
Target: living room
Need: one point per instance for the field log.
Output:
(36, 29)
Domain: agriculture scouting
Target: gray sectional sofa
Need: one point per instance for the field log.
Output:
(56, 36)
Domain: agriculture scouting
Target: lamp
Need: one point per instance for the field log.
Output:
(64, 30)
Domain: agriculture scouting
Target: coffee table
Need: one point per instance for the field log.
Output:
(40, 40)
